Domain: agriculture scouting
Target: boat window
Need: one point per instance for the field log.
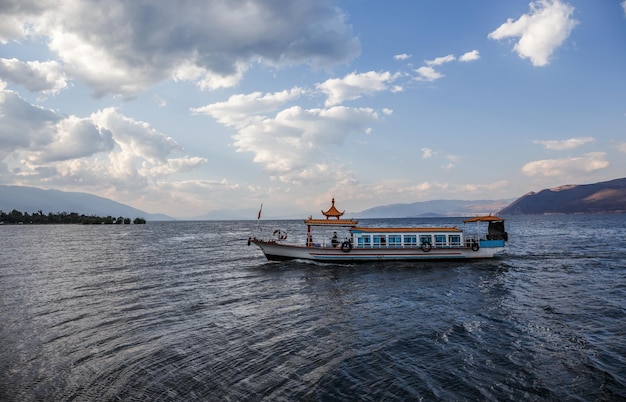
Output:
(410, 240)
(395, 240)
(426, 239)
(363, 241)
(454, 240)
(440, 240)
(380, 240)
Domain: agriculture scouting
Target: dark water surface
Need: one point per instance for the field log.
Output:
(186, 311)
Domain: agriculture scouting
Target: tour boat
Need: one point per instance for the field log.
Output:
(337, 240)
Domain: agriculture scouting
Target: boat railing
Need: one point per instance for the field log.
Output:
(466, 241)
(321, 241)
(472, 238)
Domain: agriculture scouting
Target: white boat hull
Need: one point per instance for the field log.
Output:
(278, 251)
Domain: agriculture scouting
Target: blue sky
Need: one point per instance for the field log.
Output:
(188, 107)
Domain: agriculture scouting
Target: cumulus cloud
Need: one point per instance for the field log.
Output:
(470, 56)
(73, 138)
(297, 144)
(46, 77)
(621, 147)
(567, 167)
(354, 86)
(23, 125)
(16, 14)
(440, 60)
(571, 143)
(548, 24)
(239, 109)
(103, 150)
(427, 153)
(122, 47)
(426, 73)
(136, 137)
(402, 56)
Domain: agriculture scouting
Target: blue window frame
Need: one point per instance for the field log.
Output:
(440, 240)
(454, 240)
(395, 240)
(380, 241)
(364, 241)
(410, 240)
(426, 239)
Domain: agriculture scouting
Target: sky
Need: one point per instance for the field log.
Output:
(186, 107)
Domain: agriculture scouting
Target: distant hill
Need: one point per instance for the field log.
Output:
(229, 215)
(608, 196)
(32, 199)
(436, 208)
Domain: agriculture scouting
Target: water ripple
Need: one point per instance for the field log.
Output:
(186, 311)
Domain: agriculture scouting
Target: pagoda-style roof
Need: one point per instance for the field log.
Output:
(332, 211)
(331, 222)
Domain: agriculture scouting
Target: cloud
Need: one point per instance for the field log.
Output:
(441, 60)
(428, 153)
(102, 151)
(126, 46)
(540, 32)
(23, 125)
(396, 189)
(240, 109)
(73, 138)
(484, 187)
(46, 77)
(624, 7)
(470, 56)
(159, 101)
(567, 167)
(571, 143)
(136, 138)
(297, 145)
(429, 74)
(403, 190)
(402, 56)
(426, 73)
(354, 86)
(621, 147)
(453, 159)
(15, 15)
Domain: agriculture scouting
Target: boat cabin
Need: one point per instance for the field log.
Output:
(353, 236)
(407, 237)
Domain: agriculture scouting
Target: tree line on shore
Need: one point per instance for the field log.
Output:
(39, 218)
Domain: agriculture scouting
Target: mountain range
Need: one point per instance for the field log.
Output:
(32, 199)
(608, 196)
(434, 208)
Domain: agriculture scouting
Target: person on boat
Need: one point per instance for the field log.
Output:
(334, 241)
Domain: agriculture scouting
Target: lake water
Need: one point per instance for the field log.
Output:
(187, 311)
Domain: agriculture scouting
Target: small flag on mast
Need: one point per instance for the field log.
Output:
(259, 215)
